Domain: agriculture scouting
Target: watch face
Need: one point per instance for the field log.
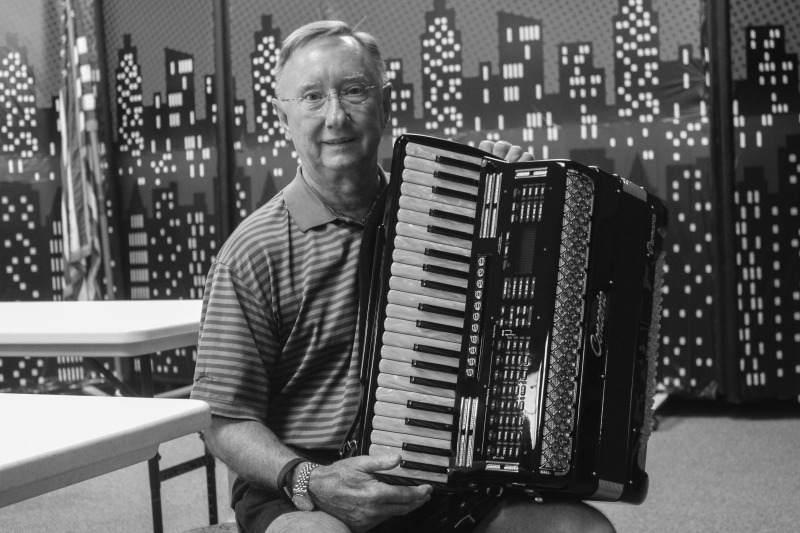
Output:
(303, 502)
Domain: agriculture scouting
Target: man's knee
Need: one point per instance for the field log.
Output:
(520, 513)
(313, 522)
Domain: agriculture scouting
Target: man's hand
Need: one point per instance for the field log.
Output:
(348, 491)
(505, 150)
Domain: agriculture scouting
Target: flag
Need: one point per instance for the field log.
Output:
(82, 216)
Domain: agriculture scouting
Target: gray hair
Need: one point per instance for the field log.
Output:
(323, 29)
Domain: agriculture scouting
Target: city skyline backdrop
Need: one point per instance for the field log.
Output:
(166, 153)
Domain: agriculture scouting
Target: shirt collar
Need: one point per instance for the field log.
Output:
(304, 205)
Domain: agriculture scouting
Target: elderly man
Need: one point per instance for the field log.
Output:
(278, 353)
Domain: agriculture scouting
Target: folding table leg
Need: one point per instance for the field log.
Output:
(155, 493)
(211, 487)
(157, 475)
(154, 470)
(145, 361)
(123, 388)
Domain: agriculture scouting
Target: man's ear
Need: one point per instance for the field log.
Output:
(276, 105)
(387, 103)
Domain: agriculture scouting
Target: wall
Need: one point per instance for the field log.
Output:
(623, 89)
(766, 118)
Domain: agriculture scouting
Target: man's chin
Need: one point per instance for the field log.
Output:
(347, 166)
(345, 159)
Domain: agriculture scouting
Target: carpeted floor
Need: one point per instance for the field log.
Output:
(713, 467)
(720, 468)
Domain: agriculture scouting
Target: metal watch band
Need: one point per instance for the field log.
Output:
(301, 486)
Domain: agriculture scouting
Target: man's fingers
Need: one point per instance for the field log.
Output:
(486, 145)
(375, 463)
(409, 497)
(402, 509)
(501, 149)
(497, 149)
(514, 154)
(505, 150)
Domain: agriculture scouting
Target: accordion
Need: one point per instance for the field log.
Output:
(512, 325)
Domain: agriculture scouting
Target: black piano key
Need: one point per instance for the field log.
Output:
(428, 424)
(430, 308)
(447, 176)
(455, 217)
(413, 465)
(422, 348)
(436, 286)
(424, 365)
(444, 191)
(433, 252)
(427, 382)
(432, 407)
(426, 324)
(447, 232)
(434, 269)
(430, 450)
(453, 162)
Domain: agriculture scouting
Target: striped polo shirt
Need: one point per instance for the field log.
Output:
(278, 339)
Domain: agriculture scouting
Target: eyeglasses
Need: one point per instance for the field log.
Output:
(351, 95)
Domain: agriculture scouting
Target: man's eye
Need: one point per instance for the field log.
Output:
(312, 97)
(355, 90)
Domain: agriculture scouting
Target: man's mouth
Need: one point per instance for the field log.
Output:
(337, 142)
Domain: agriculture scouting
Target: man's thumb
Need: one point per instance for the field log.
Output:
(376, 463)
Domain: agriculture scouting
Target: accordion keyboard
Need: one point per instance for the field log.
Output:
(425, 312)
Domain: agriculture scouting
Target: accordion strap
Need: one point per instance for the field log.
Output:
(372, 243)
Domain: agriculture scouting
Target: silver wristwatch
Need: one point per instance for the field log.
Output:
(300, 496)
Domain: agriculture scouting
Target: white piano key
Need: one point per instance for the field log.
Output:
(431, 152)
(429, 180)
(425, 458)
(424, 219)
(397, 425)
(387, 366)
(408, 327)
(414, 272)
(414, 286)
(395, 410)
(420, 246)
(409, 313)
(388, 438)
(426, 166)
(425, 206)
(405, 355)
(426, 193)
(392, 381)
(416, 474)
(384, 394)
(408, 341)
(422, 233)
(413, 300)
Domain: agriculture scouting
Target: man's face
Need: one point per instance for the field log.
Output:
(338, 137)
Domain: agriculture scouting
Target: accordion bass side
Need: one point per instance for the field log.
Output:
(512, 325)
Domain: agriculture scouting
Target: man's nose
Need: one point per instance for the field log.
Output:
(335, 113)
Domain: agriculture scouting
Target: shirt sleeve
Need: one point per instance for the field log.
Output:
(237, 348)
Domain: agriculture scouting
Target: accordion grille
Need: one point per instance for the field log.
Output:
(566, 336)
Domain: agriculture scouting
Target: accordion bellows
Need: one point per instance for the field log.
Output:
(514, 320)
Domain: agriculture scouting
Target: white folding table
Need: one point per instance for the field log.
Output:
(114, 328)
(52, 441)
